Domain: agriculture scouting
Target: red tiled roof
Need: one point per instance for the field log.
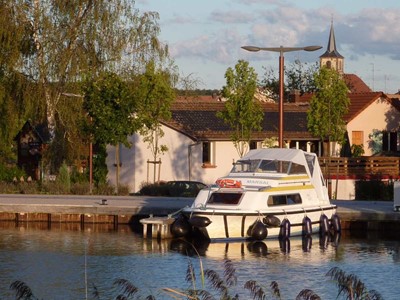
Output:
(360, 101)
(356, 84)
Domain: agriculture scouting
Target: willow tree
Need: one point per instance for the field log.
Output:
(242, 112)
(328, 106)
(76, 37)
(155, 94)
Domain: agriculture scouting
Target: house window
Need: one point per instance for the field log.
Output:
(208, 154)
(253, 145)
(390, 141)
(357, 137)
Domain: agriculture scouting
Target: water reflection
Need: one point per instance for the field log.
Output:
(51, 260)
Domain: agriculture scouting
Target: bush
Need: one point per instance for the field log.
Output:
(374, 190)
(8, 173)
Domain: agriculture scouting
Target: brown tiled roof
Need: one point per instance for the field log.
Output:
(360, 101)
(356, 84)
(197, 119)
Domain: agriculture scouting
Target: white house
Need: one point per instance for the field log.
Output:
(199, 143)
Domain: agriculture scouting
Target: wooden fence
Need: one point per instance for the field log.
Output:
(360, 167)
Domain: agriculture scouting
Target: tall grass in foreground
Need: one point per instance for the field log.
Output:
(350, 287)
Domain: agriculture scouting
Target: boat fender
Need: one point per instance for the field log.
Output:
(284, 231)
(307, 226)
(335, 223)
(335, 240)
(323, 225)
(284, 245)
(272, 221)
(180, 227)
(258, 230)
(306, 243)
(323, 241)
(258, 247)
(199, 222)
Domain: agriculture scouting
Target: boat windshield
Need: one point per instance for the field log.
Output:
(268, 166)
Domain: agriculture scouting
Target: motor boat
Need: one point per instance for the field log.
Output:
(269, 193)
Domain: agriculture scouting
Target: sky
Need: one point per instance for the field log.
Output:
(205, 37)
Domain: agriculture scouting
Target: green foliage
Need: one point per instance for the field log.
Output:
(328, 107)
(298, 76)
(8, 173)
(111, 108)
(99, 164)
(63, 178)
(374, 189)
(155, 94)
(357, 150)
(242, 113)
(375, 141)
(46, 46)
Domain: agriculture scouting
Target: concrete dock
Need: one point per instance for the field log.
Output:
(115, 210)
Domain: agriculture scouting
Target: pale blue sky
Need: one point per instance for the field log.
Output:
(205, 37)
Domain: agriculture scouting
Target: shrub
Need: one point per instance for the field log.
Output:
(375, 189)
(8, 173)
(63, 179)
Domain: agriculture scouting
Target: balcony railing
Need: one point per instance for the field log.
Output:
(360, 167)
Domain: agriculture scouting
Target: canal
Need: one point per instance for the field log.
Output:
(67, 261)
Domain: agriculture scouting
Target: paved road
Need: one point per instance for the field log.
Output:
(91, 204)
(350, 210)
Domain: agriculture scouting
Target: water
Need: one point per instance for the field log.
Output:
(52, 262)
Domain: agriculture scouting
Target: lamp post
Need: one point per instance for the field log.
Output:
(281, 50)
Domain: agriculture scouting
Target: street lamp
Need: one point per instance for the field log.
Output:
(281, 50)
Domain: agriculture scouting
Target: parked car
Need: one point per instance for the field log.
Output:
(184, 188)
(173, 189)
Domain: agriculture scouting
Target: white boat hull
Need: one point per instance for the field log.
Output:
(226, 225)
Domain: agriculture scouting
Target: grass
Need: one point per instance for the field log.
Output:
(221, 286)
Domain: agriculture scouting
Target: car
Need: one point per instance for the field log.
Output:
(184, 188)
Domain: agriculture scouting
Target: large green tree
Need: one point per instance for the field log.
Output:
(328, 106)
(112, 108)
(242, 112)
(155, 93)
(62, 40)
(298, 77)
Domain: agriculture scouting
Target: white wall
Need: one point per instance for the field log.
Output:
(380, 115)
(175, 162)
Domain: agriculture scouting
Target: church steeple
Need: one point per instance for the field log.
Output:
(332, 58)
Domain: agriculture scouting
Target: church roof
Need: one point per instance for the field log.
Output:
(331, 51)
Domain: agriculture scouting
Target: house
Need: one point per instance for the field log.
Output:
(372, 121)
(31, 141)
(199, 145)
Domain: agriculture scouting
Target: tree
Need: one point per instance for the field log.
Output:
(155, 94)
(298, 77)
(64, 40)
(111, 107)
(242, 113)
(328, 107)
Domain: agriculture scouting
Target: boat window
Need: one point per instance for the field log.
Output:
(310, 161)
(297, 169)
(273, 166)
(288, 199)
(245, 166)
(224, 198)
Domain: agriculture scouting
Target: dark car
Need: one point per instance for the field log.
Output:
(184, 188)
